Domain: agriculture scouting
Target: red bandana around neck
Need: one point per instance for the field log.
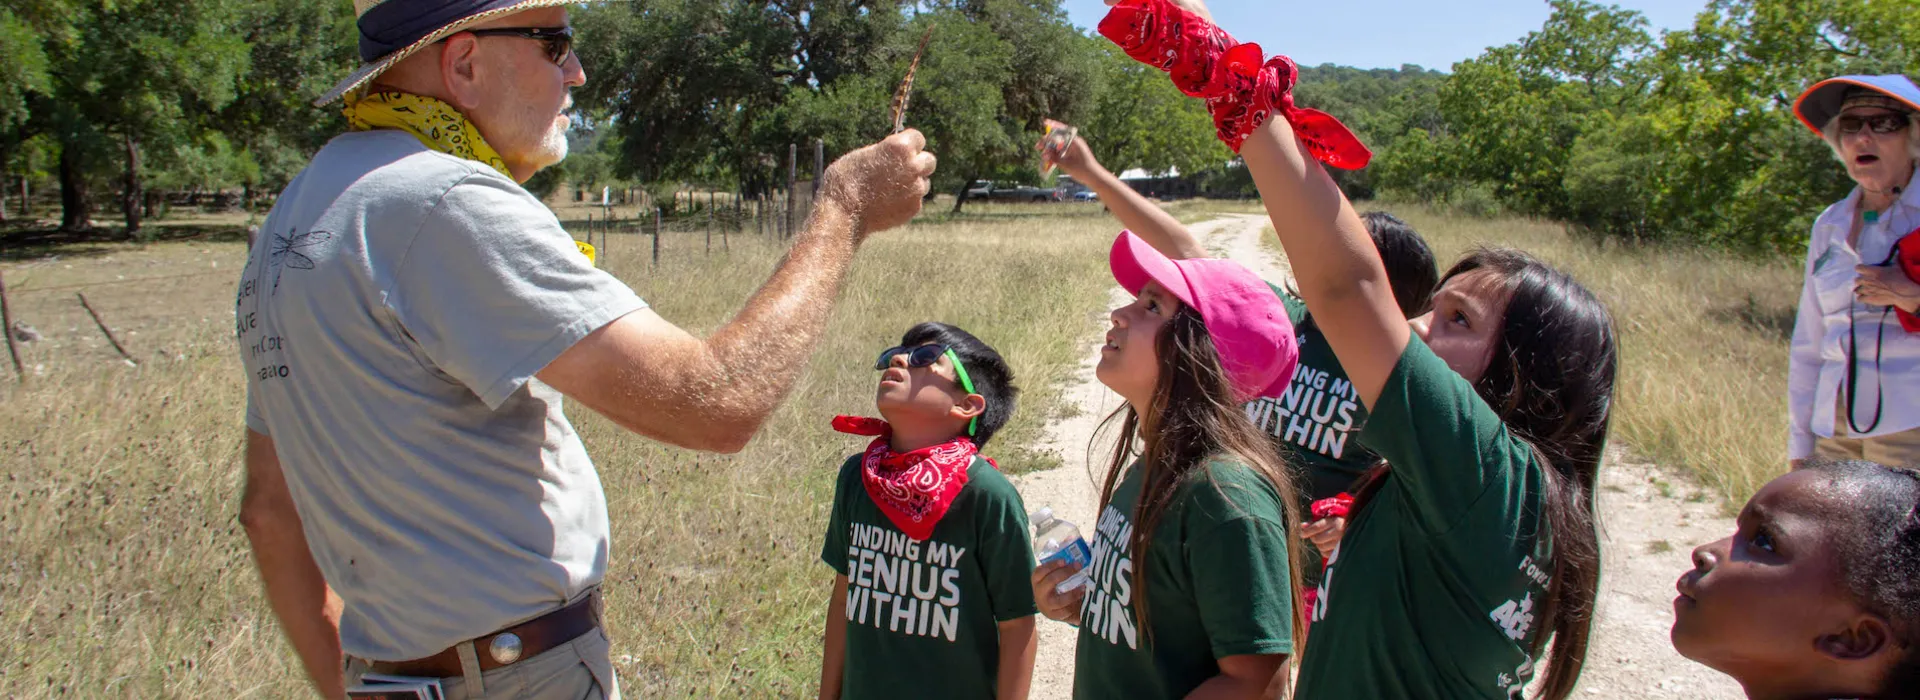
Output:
(914, 489)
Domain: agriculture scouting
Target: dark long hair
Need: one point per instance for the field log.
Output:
(1551, 382)
(1193, 417)
(1411, 272)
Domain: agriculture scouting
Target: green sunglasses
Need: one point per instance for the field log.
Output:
(925, 356)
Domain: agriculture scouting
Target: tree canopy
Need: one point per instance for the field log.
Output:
(1594, 118)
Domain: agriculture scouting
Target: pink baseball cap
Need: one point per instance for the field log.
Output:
(1249, 325)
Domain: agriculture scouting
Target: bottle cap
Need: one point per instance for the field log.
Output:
(1044, 515)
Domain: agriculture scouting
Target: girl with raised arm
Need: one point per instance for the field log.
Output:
(1474, 557)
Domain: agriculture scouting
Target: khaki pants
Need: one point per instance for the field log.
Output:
(1901, 449)
(578, 670)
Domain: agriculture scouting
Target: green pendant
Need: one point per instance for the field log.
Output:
(1871, 216)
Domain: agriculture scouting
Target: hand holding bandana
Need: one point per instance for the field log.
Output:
(1241, 91)
(1335, 507)
(1907, 258)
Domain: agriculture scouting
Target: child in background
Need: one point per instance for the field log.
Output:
(1319, 417)
(1817, 595)
(1474, 558)
(1194, 589)
(928, 540)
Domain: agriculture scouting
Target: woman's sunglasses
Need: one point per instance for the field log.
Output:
(1879, 123)
(559, 40)
(926, 356)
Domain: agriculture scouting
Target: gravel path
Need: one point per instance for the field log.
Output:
(1650, 522)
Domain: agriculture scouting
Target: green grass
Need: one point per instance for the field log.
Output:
(1703, 342)
(123, 572)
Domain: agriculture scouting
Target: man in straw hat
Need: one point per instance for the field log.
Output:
(417, 502)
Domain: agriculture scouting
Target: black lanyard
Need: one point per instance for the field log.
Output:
(1853, 371)
(1853, 360)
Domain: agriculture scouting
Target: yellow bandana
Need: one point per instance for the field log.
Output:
(436, 124)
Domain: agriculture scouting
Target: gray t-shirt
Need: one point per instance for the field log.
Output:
(391, 318)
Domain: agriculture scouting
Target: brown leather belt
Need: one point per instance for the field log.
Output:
(523, 641)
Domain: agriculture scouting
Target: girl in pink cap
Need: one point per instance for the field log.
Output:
(1192, 585)
(1474, 557)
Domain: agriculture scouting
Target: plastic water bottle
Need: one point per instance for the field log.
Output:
(1058, 540)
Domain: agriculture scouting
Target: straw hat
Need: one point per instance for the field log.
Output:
(391, 30)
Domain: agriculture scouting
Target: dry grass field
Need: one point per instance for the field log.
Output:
(1703, 342)
(123, 572)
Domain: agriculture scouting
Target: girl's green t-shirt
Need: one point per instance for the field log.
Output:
(1431, 593)
(923, 616)
(1320, 416)
(1217, 579)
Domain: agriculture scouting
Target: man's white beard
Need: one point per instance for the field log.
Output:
(554, 144)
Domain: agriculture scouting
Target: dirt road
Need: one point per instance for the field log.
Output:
(1650, 521)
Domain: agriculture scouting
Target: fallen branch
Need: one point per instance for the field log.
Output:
(103, 328)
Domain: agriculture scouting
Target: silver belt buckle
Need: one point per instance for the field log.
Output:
(505, 648)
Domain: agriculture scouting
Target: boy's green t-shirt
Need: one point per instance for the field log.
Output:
(1319, 416)
(1217, 584)
(923, 616)
(1431, 592)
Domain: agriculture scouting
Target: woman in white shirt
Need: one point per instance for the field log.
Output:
(1854, 381)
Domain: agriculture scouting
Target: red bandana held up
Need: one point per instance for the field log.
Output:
(913, 489)
(1241, 91)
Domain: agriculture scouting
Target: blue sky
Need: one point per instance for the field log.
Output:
(1389, 33)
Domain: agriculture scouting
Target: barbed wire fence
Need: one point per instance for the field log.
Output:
(774, 214)
(64, 325)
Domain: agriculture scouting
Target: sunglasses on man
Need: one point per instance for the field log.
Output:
(1880, 123)
(926, 356)
(559, 40)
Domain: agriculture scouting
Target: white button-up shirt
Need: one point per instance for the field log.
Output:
(1819, 355)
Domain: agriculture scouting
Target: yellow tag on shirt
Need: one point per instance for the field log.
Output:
(587, 250)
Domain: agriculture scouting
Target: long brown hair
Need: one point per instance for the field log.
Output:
(1551, 382)
(1192, 418)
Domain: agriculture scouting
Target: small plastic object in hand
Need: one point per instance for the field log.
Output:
(1054, 145)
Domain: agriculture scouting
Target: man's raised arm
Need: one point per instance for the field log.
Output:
(657, 380)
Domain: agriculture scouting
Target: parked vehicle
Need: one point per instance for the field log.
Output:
(986, 190)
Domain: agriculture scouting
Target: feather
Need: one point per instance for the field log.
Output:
(905, 93)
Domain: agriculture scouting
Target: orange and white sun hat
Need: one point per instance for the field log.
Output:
(391, 30)
(1825, 99)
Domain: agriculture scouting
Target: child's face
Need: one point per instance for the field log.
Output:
(1761, 601)
(1129, 362)
(1464, 327)
(920, 395)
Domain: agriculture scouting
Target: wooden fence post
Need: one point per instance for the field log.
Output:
(709, 222)
(819, 172)
(6, 326)
(793, 176)
(656, 236)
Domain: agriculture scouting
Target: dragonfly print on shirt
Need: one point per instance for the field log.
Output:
(287, 252)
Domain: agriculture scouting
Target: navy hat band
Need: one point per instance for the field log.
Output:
(396, 24)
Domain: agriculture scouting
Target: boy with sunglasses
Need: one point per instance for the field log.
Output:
(928, 540)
